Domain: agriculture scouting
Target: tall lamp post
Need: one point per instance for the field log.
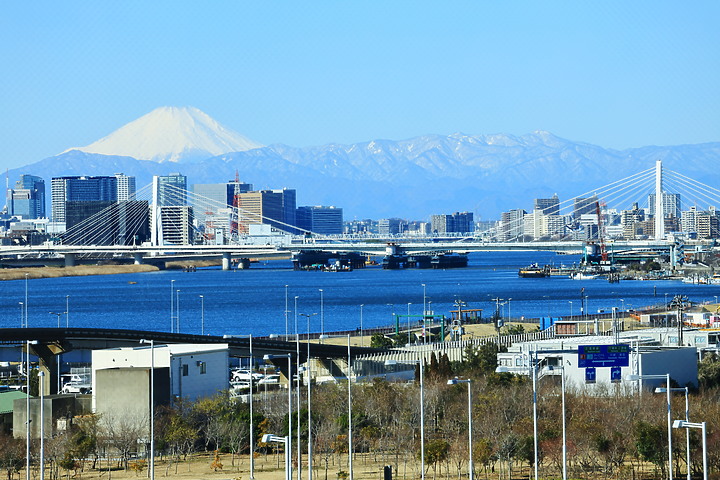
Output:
(424, 301)
(564, 430)
(26, 300)
(41, 381)
(702, 426)
(286, 313)
(408, 321)
(267, 438)
(202, 316)
(309, 417)
(67, 311)
(177, 310)
(665, 377)
(322, 313)
(251, 401)
(456, 381)
(152, 406)
(362, 341)
(422, 413)
(172, 306)
(349, 391)
(532, 369)
(27, 407)
(685, 390)
(59, 356)
(287, 440)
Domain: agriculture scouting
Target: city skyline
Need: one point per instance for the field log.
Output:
(612, 74)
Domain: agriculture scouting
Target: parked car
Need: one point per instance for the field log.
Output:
(243, 374)
(272, 379)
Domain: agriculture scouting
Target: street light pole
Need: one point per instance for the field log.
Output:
(287, 440)
(297, 392)
(41, 381)
(26, 300)
(666, 377)
(455, 381)
(27, 407)
(408, 321)
(67, 311)
(564, 434)
(172, 306)
(322, 313)
(703, 427)
(177, 310)
(286, 313)
(252, 431)
(350, 440)
(202, 317)
(424, 302)
(362, 341)
(422, 420)
(535, 417)
(152, 406)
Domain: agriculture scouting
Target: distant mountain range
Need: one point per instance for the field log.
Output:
(413, 178)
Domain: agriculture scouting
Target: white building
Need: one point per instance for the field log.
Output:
(646, 357)
(121, 376)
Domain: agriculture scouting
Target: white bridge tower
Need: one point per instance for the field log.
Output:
(659, 207)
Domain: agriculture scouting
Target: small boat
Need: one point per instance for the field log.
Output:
(534, 271)
(583, 276)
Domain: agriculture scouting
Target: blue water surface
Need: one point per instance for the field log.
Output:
(253, 301)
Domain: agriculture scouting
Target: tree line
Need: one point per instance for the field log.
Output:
(608, 436)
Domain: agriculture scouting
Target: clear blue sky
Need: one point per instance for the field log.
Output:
(614, 73)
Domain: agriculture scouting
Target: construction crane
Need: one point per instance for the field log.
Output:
(601, 235)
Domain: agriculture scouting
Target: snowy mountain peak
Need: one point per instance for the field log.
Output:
(171, 134)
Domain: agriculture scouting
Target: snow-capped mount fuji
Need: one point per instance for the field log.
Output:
(381, 178)
(171, 134)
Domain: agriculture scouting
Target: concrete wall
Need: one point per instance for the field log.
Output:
(56, 407)
(126, 392)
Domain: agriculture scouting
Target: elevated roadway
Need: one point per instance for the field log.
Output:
(56, 341)
(68, 255)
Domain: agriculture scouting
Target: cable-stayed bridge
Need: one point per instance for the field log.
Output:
(164, 222)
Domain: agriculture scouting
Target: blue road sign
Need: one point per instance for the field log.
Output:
(615, 374)
(590, 375)
(603, 356)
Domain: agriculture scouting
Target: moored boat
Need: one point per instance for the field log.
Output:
(534, 271)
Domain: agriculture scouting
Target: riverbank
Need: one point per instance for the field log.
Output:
(78, 271)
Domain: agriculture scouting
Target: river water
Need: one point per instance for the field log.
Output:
(253, 301)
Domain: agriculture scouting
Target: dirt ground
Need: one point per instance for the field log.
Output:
(267, 467)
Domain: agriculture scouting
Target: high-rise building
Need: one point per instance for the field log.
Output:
(176, 222)
(289, 208)
(584, 206)
(210, 198)
(512, 225)
(106, 223)
(27, 199)
(125, 187)
(80, 189)
(172, 190)
(391, 226)
(263, 206)
(548, 206)
(321, 220)
(672, 205)
(458, 222)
